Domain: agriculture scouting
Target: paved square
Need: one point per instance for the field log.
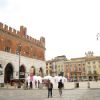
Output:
(68, 94)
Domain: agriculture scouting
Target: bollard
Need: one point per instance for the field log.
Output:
(77, 85)
(88, 84)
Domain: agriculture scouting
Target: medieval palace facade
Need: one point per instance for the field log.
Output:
(20, 53)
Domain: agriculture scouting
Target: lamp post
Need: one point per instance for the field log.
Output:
(19, 52)
(98, 35)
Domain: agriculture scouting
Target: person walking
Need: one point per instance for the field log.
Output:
(38, 84)
(60, 86)
(31, 85)
(50, 87)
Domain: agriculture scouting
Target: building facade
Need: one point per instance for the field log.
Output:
(83, 68)
(19, 53)
(56, 66)
(75, 69)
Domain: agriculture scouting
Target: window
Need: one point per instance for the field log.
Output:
(83, 69)
(8, 49)
(75, 68)
(89, 72)
(94, 67)
(93, 62)
(79, 64)
(89, 68)
(79, 69)
(83, 64)
(94, 72)
(71, 69)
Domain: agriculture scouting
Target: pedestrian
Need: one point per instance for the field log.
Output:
(50, 87)
(35, 84)
(38, 84)
(26, 85)
(60, 86)
(31, 85)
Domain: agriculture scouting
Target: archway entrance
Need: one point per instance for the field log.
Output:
(8, 75)
(22, 72)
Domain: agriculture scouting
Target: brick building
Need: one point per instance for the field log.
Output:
(19, 53)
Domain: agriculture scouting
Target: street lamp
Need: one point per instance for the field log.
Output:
(19, 52)
(98, 35)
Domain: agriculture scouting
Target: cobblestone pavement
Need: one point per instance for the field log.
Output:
(69, 94)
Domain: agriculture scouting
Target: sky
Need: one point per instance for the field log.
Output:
(70, 27)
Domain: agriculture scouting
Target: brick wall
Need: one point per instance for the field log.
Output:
(30, 47)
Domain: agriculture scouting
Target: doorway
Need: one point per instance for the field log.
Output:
(8, 75)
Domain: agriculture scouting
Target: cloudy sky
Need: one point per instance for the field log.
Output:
(69, 26)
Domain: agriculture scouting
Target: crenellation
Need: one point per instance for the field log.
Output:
(42, 40)
(35, 41)
(22, 33)
(6, 28)
(27, 36)
(30, 38)
(1, 25)
(19, 36)
(10, 29)
(14, 31)
(23, 30)
(38, 42)
(18, 32)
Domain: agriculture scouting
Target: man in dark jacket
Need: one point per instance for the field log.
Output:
(50, 87)
(60, 86)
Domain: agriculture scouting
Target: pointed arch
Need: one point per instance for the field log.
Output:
(8, 73)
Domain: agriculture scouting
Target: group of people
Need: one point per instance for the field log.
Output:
(50, 87)
(30, 84)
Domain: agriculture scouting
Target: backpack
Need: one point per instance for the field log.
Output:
(50, 85)
(60, 85)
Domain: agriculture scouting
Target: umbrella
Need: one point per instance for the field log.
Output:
(39, 78)
(35, 78)
(56, 78)
(64, 79)
(48, 77)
